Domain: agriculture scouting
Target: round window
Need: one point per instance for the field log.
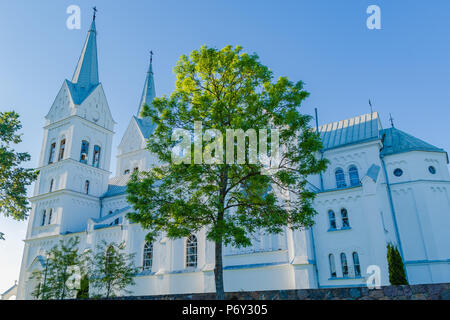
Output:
(432, 169)
(398, 172)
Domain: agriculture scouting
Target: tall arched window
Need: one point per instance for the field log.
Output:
(51, 186)
(332, 219)
(84, 151)
(344, 216)
(62, 146)
(148, 256)
(344, 265)
(86, 187)
(51, 156)
(356, 265)
(191, 251)
(50, 216)
(340, 178)
(332, 266)
(96, 158)
(44, 216)
(354, 176)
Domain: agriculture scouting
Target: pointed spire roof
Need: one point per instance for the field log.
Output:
(85, 79)
(149, 88)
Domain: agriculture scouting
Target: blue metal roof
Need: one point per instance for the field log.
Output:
(85, 78)
(350, 131)
(117, 186)
(396, 141)
(146, 125)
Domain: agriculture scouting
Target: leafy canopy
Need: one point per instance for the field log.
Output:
(227, 89)
(14, 179)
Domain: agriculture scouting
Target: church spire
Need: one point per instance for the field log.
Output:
(149, 88)
(86, 73)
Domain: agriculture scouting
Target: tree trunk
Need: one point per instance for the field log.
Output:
(218, 272)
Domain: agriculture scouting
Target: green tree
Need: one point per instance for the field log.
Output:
(397, 274)
(227, 89)
(60, 275)
(14, 179)
(112, 270)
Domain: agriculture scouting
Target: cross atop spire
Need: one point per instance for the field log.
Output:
(95, 12)
(151, 56)
(391, 120)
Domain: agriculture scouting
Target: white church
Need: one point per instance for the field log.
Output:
(381, 186)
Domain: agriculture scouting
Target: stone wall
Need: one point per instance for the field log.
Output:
(413, 292)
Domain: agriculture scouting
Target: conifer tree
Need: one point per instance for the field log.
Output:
(397, 275)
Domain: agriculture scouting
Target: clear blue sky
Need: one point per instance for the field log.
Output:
(403, 68)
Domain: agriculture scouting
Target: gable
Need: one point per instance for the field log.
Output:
(133, 138)
(62, 106)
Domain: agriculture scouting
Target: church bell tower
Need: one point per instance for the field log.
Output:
(76, 151)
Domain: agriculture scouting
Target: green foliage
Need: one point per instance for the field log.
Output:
(83, 293)
(397, 275)
(227, 89)
(58, 278)
(14, 179)
(111, 270)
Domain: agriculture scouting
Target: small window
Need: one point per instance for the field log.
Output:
(62, 146)
(332, 266)
(51, 157)
(398, 172)
(86, 187)
(44, 215)
(344, 265)
(96, 158)
(51, 186)
(344, 216)
(340, 178)
(356, 265)
(354, 176)
(136, 169)
(332, 219)
(191, 251)
(148, 256)
(84, 151)
(50, 216)
(126, 171)
(432, 169)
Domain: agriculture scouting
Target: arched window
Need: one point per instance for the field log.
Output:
(44, 215)
(344, 216)
(356, 265)
(191, 251)
(354, 176)
(332, 218)
(148, 256)
(51, 156)
(340, 178)
(332, 266)
(51, 186)
(96, 158)
(62, 146)
(344, 265)
(136, 169)
(86, 187)
(84, 151)
(50, 216)
(127, 171)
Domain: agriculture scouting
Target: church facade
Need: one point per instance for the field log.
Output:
(381, 186)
